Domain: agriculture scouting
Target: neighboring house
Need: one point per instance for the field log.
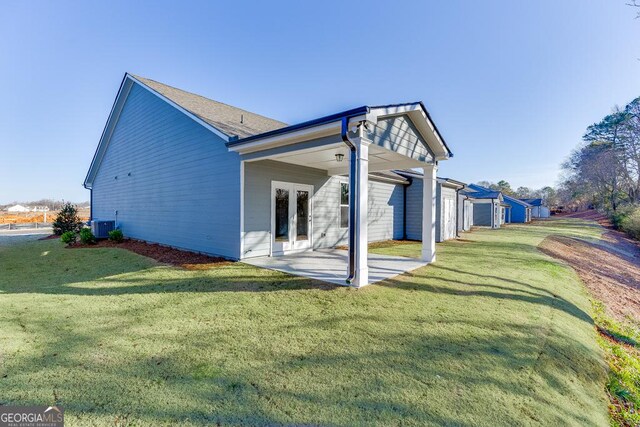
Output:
(518, 211)
(505, 209)
(488, 206)
(182, 170)
(18, 208)
(538, 208)
(449, 214)
(465, 211)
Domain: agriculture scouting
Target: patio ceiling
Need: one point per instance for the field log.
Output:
(324, 158)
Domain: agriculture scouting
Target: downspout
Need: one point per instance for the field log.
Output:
(458, 212)
(493, 214)
(352, 199)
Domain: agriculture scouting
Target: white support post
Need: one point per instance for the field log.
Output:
(429, 213)
(241, 254)
(362, 210)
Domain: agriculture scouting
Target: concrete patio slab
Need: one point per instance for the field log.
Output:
(330, 265)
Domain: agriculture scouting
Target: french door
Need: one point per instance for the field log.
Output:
(291, 225)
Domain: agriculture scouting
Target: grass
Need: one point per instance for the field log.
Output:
(621, 344)
(494, 333)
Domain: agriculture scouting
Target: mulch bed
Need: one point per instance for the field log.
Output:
(160, 253)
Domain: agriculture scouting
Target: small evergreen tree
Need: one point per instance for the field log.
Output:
(67, 220)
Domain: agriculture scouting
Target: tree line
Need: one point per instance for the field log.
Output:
(604, 171)
(547, 194)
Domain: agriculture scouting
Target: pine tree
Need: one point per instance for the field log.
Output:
(67, 220)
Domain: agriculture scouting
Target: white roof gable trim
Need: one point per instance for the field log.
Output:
(520, 202)
(284, 136)
(421, 121)
(114, 116)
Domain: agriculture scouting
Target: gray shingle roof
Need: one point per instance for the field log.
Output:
(481, 194)
(533, 202)
(389, 175)
(478, 192)
(223, 117)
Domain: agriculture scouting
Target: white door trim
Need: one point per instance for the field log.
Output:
(290, 246)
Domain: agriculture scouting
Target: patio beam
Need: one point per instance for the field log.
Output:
(429, 212)
(381, 166)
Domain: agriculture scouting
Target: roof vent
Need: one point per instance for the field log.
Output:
(241, 118)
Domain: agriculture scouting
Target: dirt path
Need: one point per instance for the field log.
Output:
(609, 268)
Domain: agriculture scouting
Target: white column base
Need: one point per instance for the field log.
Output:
(362, 213)
(362, 277)
(428, 256)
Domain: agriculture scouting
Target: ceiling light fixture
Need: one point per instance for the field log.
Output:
(339, 157)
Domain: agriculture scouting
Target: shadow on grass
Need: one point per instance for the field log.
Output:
(47, 268)
(102, 272)
(236, 277)
(412, 378)
(542, 297)
(351, 363)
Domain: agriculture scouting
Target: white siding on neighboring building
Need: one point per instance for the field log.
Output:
(544, 212)
(468, 215)
(446, 215)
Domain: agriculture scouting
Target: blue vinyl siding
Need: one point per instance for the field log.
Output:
(176, 183)
(399, 134)
(385, 206)
(518, 211)
(414, 210)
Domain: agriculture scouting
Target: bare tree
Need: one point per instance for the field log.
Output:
(635, 3)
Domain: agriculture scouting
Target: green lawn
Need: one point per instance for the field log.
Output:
(494, 333)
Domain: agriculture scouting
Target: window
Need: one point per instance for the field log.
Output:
(302, 218)
(344, 205)
(282, 215)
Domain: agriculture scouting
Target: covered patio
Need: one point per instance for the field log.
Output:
(368, 139)
(330, 265)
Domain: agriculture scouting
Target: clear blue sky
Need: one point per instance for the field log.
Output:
(511, 84)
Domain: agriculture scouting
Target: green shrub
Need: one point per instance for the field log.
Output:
(617, 217)
(116, 235)
(87, 237)
(68, 237)
(67, 220)
(630, 224)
